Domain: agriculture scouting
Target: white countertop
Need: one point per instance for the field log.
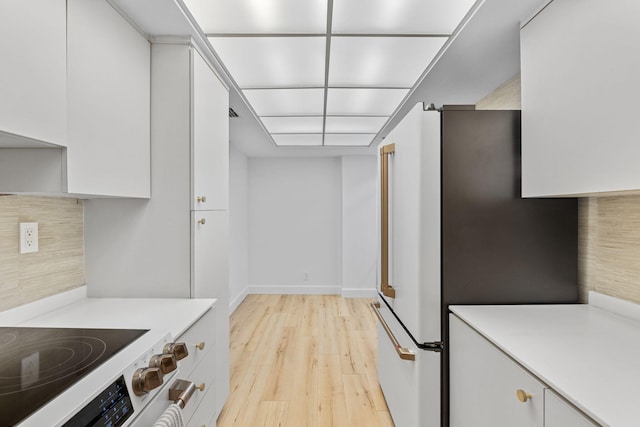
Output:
(589, 355)
(75, 310)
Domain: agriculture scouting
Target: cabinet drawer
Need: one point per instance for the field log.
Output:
(485, 382)
(203, 331)
(203, 375)
(204, 415)
(558, 413)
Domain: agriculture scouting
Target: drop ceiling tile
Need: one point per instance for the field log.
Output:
(297, 140)
(260, 16)
(354, 124)
(286, 102)
(293, 124)
(398, 16)
(273, 61)
(348, 140)
(381, 61)
(378, 102)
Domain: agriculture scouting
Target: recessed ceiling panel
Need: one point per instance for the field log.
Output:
(286, 102)
(273, 61)
(348, 140)
(363, 102)
(398, 16)
(381, 61)
(293, 124)
(354, 124)
(293, 140)
(260, 16)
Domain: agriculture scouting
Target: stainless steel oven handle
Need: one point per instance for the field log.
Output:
(403, 353)
(181, 392)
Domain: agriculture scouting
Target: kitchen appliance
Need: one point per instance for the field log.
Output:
(455, 230)
(82, 377)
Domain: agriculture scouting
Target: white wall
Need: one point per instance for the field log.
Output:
(238, 228)
(359, 229)
(295, 225)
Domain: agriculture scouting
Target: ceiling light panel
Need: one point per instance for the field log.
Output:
(260, 16)
(398, 16)
(354, 124)
(293, 124)
(293, 140)
(381, 61)
(364, 102)
(348, 140)
(273, 61)
(286, 102)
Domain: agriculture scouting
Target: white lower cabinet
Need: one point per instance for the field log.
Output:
(559, 413)
(488, 388)
(199, 368)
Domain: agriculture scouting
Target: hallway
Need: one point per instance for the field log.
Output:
(304, 360)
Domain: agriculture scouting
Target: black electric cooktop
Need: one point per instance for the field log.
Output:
(37, 364)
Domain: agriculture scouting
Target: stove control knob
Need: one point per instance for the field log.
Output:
(145, 380)
(178, 349)
(165, 362)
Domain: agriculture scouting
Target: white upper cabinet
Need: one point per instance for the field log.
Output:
(109, 103)
(33, 82)
(210, 159)
(580, 111)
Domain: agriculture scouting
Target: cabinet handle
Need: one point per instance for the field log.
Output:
(200, 387)
(201, 199)
(403, 353)
(200, 345)
(523, 396)
(202, 221)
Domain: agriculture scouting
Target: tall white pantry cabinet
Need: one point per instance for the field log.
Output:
(176, 243)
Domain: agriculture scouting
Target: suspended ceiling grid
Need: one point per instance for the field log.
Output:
(326, 72)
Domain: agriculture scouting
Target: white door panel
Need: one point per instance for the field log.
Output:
(415, 223)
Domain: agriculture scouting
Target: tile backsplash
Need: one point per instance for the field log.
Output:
(610, 255)
(58, 265)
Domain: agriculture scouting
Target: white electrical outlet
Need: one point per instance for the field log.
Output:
(28, 237)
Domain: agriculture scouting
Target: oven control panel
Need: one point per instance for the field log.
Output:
(139, 384)
(112, 407)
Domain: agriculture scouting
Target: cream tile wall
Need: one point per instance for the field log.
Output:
(57, 266)
(608, 227)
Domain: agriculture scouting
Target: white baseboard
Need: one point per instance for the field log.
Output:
(238, 300)
(359, 293)
(295, 290)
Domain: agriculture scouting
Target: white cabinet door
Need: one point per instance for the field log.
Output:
(210, 161)
(210, 279)
(484, 384)
(579, 98)
(210, 253)
(109, 103)
(558, 413)
(33, 80)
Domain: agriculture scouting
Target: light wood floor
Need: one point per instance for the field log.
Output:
(304, 360)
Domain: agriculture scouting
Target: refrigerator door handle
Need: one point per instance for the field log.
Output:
(386, 289)
(403, 353)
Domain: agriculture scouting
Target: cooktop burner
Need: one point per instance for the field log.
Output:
(37, 364)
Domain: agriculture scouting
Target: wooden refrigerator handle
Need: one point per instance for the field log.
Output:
(385, 287)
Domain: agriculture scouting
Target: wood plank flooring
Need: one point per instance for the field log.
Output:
(304, 360)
